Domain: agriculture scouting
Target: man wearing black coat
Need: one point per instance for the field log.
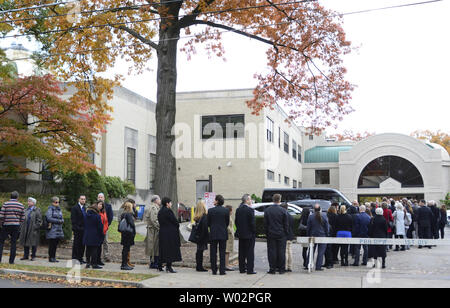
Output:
(424, 221)
(276, 225)
(246, 232)
(78, 214)
(110, 216)
(218, 221)
(436, 216)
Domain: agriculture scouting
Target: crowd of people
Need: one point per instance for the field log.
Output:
(385, 219)
(215, 228)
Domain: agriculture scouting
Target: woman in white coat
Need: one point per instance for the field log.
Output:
(399, 222)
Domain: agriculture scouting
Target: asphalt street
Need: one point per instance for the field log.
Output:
(7, 283)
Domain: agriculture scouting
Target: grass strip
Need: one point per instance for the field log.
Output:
(114, 236)
(126, 276)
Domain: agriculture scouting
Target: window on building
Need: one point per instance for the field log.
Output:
(279, 137)
(279, 178)
(223, 126)
(385, 167)
(152, 165)
(286, 180)
(131, 165)
(294, 149)
(152, 161)
(311, 137)
(270, 127)
(294, 184)
(270, 175)
(322, 177)
(299, 154)
(46, 174)
(286, 143)
(92, 157)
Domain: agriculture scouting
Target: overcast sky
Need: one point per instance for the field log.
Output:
(401, 68)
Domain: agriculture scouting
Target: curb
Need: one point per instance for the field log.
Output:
(56, 276)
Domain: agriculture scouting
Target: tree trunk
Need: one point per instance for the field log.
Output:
(165, 173)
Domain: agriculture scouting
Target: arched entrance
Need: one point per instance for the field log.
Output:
(392, 173)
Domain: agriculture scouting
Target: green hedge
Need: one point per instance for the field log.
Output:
(91, 184)
(43, 202)
(260, 232)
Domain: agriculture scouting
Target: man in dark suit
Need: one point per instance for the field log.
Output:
(436, 216)
(246, 232)
(424, 221)
(218, 221)
(110, 216)
(277, 229)
(78, 214)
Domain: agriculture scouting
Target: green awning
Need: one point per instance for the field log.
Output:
(324, 154)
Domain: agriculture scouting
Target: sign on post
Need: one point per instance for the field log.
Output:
(209, 199)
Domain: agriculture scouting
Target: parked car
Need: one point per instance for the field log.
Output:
(184, 213)
(295, 194)
(309, 203)
(260, 207)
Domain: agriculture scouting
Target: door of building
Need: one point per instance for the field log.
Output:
(201, 188)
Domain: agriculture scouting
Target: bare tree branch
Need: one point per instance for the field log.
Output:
(139, 37)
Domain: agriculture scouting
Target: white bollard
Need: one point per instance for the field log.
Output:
(311, 254)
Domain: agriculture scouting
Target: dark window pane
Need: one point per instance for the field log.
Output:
(270, 175)
(286, 143)
(382, 168)
(322, 177)
(152, 171)
(223, 126)
(131, 165)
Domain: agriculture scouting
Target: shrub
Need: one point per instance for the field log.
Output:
(74, 185)
(91, 184)
(256, 198)
(130, 189)
(96, 186)
(114, 187)
(260, 232)
(446, 201)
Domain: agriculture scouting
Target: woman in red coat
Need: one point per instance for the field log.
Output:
(104, 218)
(387, 213)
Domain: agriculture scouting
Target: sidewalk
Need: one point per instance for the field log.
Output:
(436, 263)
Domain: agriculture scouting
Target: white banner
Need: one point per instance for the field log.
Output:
(209, 197)
(371, 241)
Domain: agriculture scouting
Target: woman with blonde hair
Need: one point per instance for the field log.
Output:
(127, 239)
(344, 225)
(201, 221)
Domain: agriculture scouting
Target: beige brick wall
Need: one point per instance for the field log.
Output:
(232, 177)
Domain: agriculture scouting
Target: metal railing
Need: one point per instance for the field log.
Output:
(311, 241)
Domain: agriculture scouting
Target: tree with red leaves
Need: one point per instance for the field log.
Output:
(38, 125)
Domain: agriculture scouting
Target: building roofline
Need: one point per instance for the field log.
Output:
(215, 91)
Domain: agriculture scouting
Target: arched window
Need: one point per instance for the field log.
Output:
(382, 168)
